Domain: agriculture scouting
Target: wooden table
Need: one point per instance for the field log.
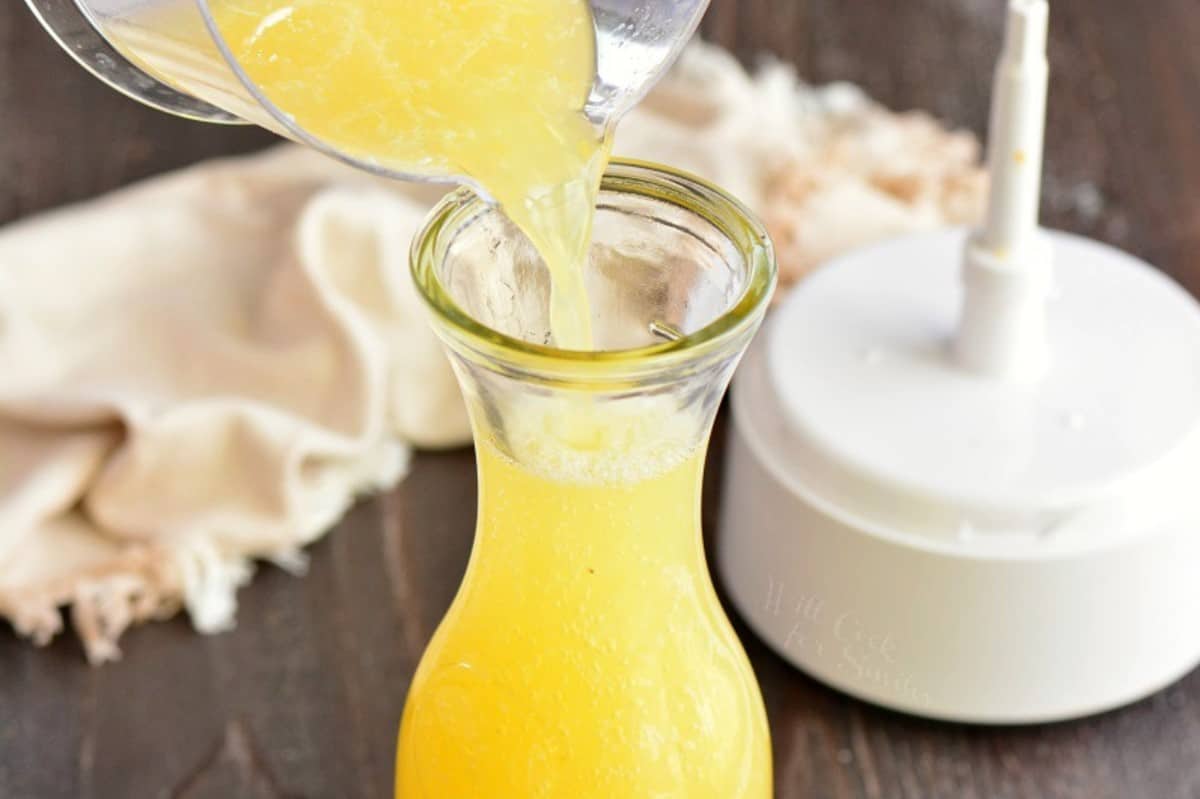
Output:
(303, 699)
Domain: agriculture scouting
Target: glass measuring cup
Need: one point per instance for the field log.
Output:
(186, 68)
(586, 654)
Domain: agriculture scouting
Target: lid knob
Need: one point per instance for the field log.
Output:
(1007, 263)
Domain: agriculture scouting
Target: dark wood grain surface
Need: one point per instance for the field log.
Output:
(302, 700)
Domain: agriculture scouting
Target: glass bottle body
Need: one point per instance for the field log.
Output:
(586, 654)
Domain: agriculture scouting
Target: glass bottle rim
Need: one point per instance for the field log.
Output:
(628, 176)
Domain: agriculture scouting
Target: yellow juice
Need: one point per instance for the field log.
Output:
(492, 90)
(586, 656)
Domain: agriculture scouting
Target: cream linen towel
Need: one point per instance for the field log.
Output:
(204, 370)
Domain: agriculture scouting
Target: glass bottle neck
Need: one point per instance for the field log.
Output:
(604, 469)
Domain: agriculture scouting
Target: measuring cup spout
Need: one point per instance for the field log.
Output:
(636, 42)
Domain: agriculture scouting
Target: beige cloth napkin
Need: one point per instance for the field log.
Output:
(204, 370)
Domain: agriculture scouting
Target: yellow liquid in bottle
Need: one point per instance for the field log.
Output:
(586, 656)
(492, 90)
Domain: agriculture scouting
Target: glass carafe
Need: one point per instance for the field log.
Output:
(586, 654)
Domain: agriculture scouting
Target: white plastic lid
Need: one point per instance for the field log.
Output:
(883, 423)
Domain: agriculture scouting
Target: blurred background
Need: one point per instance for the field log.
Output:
(302, 700)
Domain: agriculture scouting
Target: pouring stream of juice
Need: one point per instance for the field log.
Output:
(492, 90)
